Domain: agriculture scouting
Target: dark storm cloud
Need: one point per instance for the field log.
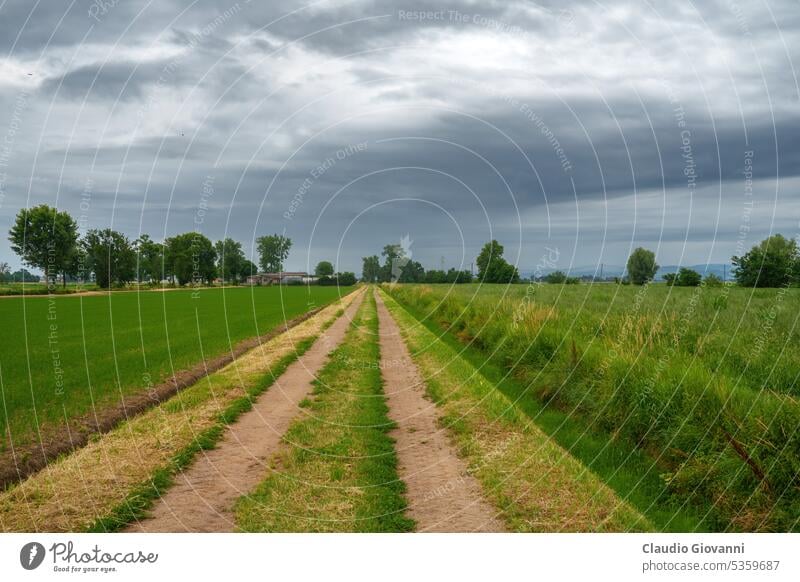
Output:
(527, 121)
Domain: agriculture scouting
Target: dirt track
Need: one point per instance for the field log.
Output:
(442, 496)
(202, 498)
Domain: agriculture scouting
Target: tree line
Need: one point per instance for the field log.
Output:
(47, 239)
(774, 262)
(398, 267)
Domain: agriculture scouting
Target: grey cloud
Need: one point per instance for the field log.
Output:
(591, 86)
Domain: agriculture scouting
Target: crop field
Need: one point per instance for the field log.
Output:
(548, 408)
(699, 385)
(66, 355)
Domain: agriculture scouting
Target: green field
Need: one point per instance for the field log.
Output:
(701, 381)
(61, 356)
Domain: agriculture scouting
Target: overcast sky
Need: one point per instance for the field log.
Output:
(586, 127)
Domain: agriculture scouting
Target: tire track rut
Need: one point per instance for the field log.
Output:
(442, 496)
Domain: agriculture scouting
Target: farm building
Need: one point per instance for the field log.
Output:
(283, 278)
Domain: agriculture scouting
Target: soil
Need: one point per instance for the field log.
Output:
(21, 461)
(442, 496)
(203, 496)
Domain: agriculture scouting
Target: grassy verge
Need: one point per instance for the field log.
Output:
(338, 472)
(143, 496)
(654, 371)
(541, 467)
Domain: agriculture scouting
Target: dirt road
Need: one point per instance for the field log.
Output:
(202, 498)
(442, 496)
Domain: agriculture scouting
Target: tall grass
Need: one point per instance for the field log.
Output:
(702, 380)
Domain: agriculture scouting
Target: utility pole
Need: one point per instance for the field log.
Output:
(724, 272)
(601, 271)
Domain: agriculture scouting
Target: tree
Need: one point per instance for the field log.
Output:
(273, 250)
(688, 278)
(412, 272)
(371, 269)
(456, 276)
(772, 263)
(248, 268)
(492, 267)
(556, 277)
(190, 258)
(396, 259)
(346, 279)
(5, 272)
(324, 269)
(670, 278)
(24, 276)
(711, 280)
(435, 276)
(642, 266)
(150, 259)
(45, 239)
(230, 259)
(110, 257)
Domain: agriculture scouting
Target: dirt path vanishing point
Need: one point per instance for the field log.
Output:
(442, 496)
(202, 498)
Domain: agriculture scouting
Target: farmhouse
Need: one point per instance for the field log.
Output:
(283, 278)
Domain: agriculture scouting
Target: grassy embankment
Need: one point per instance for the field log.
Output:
(697, 384)
(537, 484)
(338, 470)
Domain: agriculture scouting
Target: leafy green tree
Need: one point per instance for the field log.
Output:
(556, 277)
(371, 269)
(711, 280)
(45, 239)
(110, 256)
(190, 258)
(230, 260)
(346, 279)
(150, 259)
(642, 266)
(435, 276)
(5, 272)
(24, 276)
(493, 268)
(248, 268)
(456, 276)
(670, 278)
(324, 269)
(688, 278)
(395, 260)
(412, 272)
(772, 263)
(273, 251)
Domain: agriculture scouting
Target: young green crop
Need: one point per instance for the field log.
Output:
(66, 356)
